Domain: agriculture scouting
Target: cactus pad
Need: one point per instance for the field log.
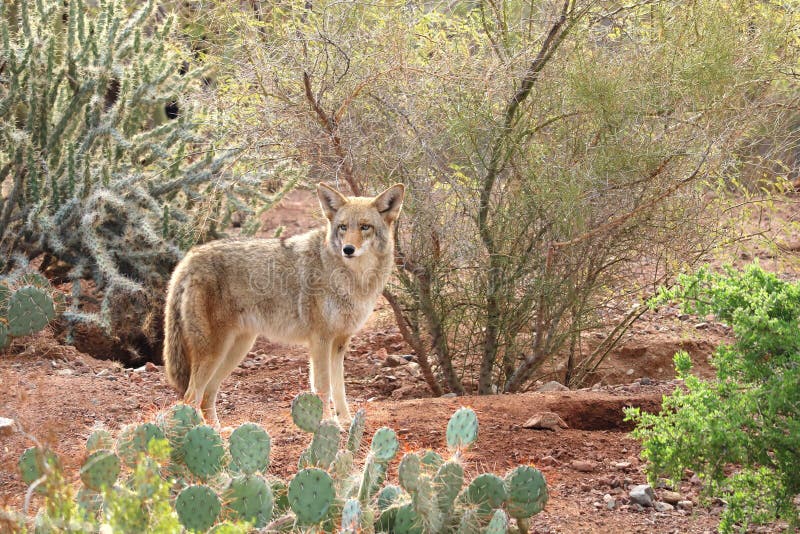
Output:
(351, 516)
(203, 451)
(198, 507)
(406, 521)
(310, 494)
(33, 461)
(431, 460)
(462, 429)
(527, 491)
(4, 337)
(250, 447)
(487, 489)
(176, 422)
(388, 495)
(384, 445)
(29, 310)
(342, 465)
(469, 523)
(447, 483)
(99, 439)
(356, 432)
(89, 500)
(408, 472)
(325, 444)
(100, 470)
(307, 411)
(250, 499)
(280, 495)
(498, 524)
(427, 506)
(134, 440)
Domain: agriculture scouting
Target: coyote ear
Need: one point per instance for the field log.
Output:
(390, 202)
(330, 200)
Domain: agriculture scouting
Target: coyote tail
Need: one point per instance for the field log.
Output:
(174, 350)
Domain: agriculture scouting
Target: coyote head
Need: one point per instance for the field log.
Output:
(360, 225)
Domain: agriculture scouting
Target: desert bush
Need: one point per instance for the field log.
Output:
(183, 472)
(562, 158)
(739, 431)
(96, 178)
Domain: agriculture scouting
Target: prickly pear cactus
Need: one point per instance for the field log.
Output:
(35, 462)
(29, 310)
(100, 470)
(307, 411)
(447, 484)
(198, 507)
(310, 494)
(356, 432)
(406, 521)
(527, 492)
(431, 460)
(203, 451)
(408, 472)
(250, 447)
(250, 499)
(99, 439)
(486, 489)
(175, 423)
(498, 524)
(134, 440)
(325, 444)
(388, 495)
(351, 517)
(462, 430)
(384, 445)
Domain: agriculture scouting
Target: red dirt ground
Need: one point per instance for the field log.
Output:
(58, 394)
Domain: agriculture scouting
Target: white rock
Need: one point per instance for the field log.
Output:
(6, 426)
(663, 507)
(552, 386)
(643, 495)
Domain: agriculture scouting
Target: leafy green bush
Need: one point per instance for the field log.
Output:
(182, 473)
(740, 432)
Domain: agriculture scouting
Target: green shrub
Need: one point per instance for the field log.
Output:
(740, 432)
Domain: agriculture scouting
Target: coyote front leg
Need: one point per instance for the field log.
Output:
(338, 351)
(319, 368)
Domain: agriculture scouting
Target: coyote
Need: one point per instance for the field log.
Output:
(317, 288)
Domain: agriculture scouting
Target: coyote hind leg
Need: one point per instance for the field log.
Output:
(207, 359)
(241, 345)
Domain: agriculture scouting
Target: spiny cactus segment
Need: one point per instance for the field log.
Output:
(462, 430)
(198, 507)
(527, 492)
(356, 432)
(99, 439)
(307, 411)
(311, 493)
(250, 446)
(203, 451)
(384, 445)
(134, 440)
(100, 470)
(250, 499)
(29, 310)
(332, 491)
(351, 517)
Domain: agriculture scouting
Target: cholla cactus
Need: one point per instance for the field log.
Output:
(215, 483)
(92, 172)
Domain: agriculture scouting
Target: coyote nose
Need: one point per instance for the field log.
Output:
(349, 250)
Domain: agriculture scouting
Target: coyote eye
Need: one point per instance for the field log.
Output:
(342, 227)
(365, 227)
